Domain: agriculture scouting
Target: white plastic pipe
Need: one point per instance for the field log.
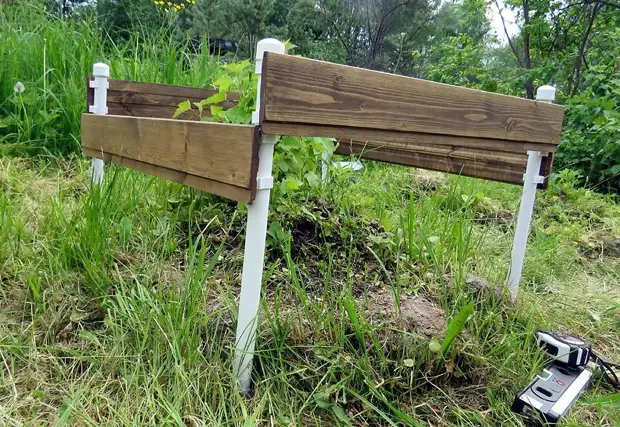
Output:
(530, 181)
(101, 72)
(256, 233)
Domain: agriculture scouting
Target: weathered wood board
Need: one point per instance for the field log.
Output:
(190, 152)
(304, 91)
(127, 98)
(490, 165)
(361, 134)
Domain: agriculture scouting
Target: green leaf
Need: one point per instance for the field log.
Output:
(455, 327)
(340, 414)
(237, 67)
(289, 45)
(216, 99)
(409, 362)
(312, 179)
(287, 143)
(216, 110)
(237, 114)
(223, 83)
(291, 183)
(321, 400)
(126, 227)
(434, 345)
(612, 400)
(183, 107)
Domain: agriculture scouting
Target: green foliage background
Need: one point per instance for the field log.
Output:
(49, 46)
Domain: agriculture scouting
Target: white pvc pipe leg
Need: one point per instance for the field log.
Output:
(530, 181)
(256, 233)
(98, 170)
(101, 72)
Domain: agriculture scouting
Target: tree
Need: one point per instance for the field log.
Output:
(554, 39)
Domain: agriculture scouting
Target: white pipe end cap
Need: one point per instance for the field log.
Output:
(101, 70)
(545, 93)
(268, 45)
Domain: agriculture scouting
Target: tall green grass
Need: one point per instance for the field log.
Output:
(51, 57)
(118, 303)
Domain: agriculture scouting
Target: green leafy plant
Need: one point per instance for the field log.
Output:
(295, 160)
(591, 142)
(235, 78)
(455, 326)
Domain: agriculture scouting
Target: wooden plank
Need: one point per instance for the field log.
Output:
(127, 98)
(465, 153)
(185, 92)
(474, 168)
(546, 169)
(232, 192)
(300, 90)
(220, 152)
(361, 134)
(152, 111)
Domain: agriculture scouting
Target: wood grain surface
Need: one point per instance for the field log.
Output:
(361, 134)
(486, 165)
(304, 91)
(474, 168)
(127, 98)
(219, 152)
(466, 153)
(243, 195)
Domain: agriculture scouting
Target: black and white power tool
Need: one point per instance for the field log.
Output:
(547, 399)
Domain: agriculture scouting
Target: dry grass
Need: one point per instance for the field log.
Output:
(101, 324)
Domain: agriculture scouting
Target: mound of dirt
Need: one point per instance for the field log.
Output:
(418, 313)
(482, 288)
(606, 246)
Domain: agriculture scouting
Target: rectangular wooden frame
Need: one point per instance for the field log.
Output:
(418, 123)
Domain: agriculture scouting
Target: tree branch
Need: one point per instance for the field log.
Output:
(339, 34)
(512, 47)
(576, 74)
(380, 30)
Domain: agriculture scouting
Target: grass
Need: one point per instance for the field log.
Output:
(118, 306)
(51, 57)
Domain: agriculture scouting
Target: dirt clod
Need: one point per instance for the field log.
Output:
(418, 313)
(482, 288)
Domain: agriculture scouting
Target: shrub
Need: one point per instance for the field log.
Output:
(591, 142)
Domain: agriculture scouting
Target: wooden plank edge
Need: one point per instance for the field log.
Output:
(442, 164)
(344, 132)
(292, 62)
(239, 194)
(546, 169)
(466, 153)
(156, 101)
(255, 160)
(151, 88)
(147, 110)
